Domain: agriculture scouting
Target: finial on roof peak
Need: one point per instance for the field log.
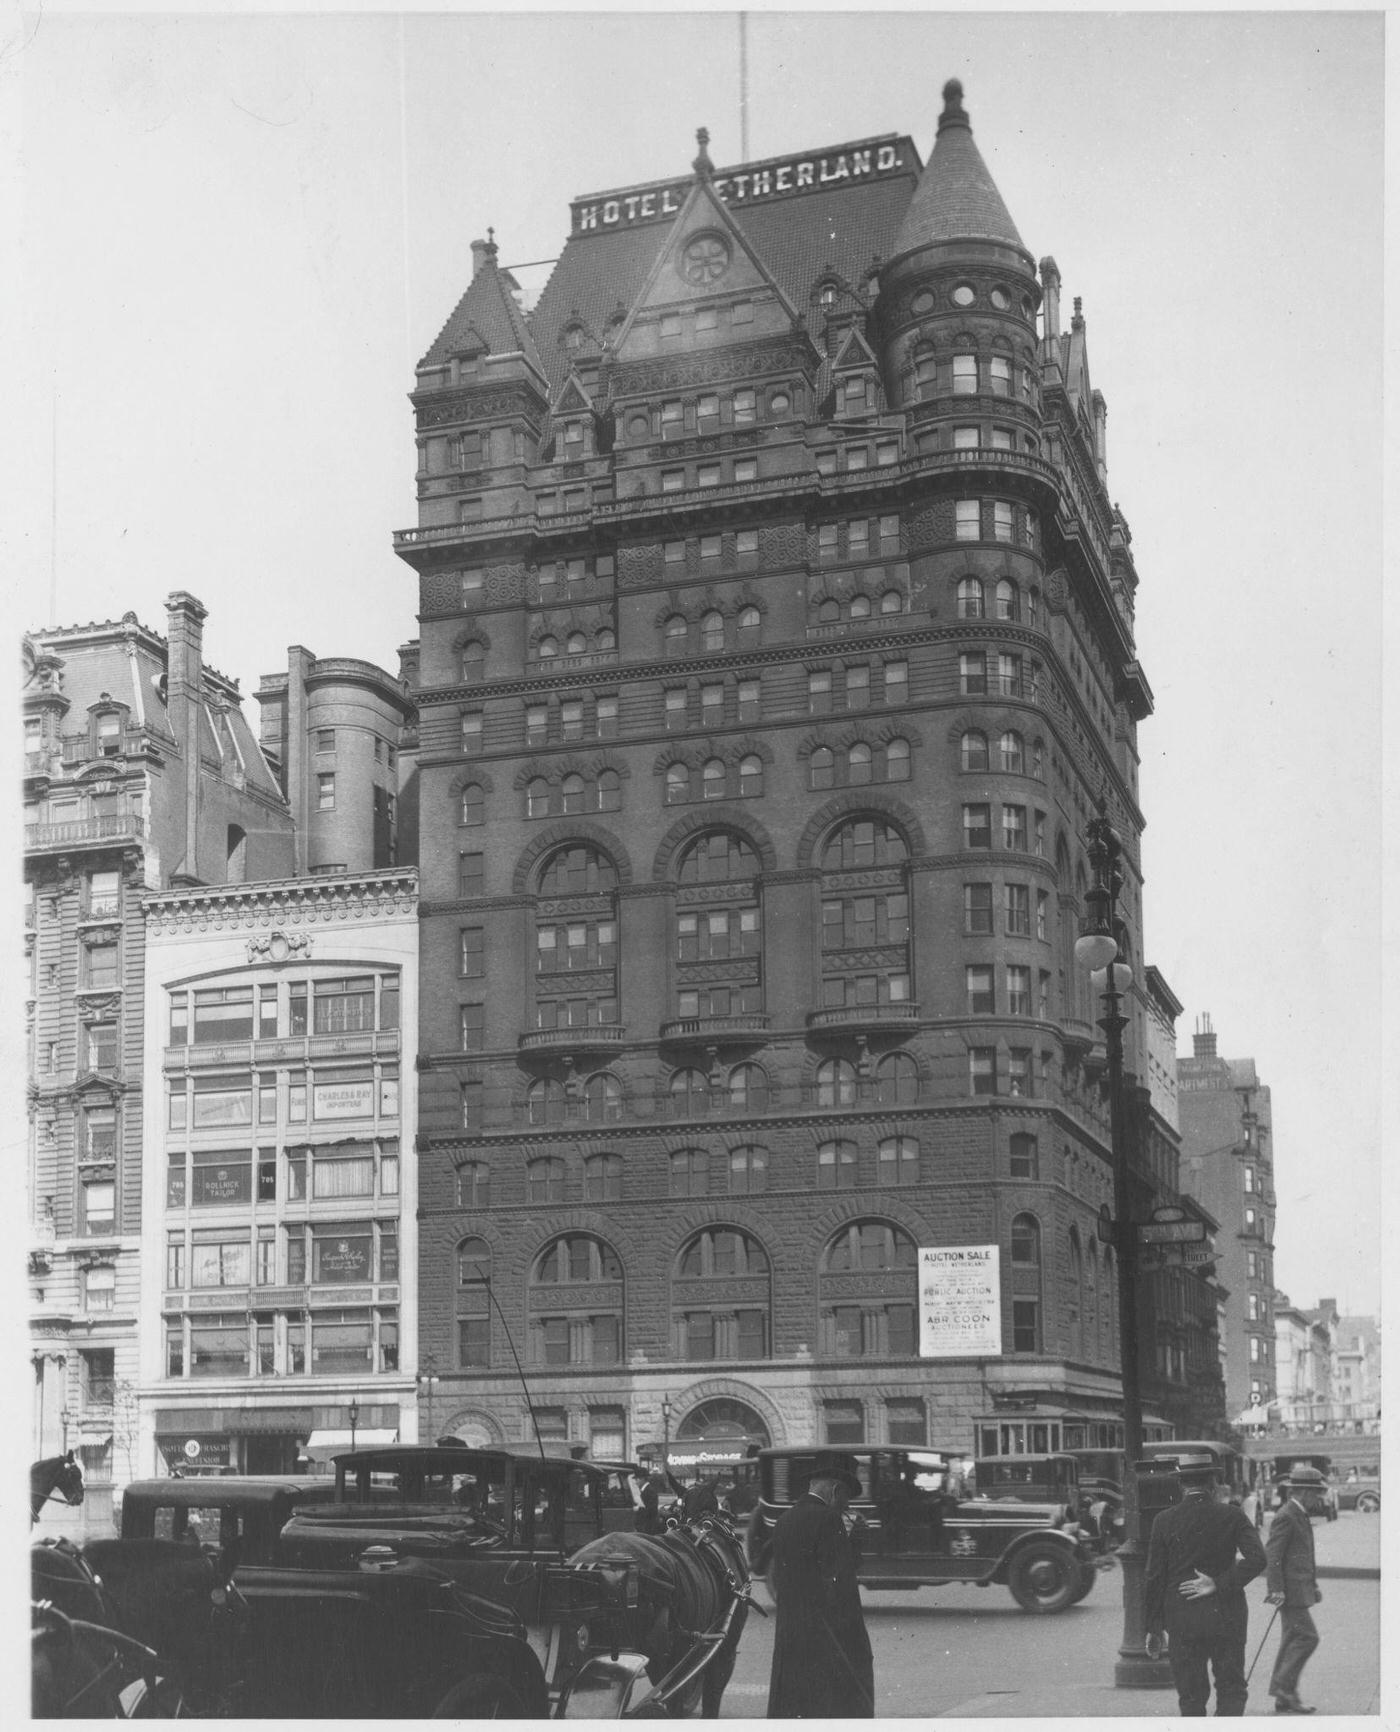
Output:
(1077, 323)
(954, 114)
(491, 248)
(702, 164)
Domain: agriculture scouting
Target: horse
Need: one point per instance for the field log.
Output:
(56, 1477)
(693, 1600)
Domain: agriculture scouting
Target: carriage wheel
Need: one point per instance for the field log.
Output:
(480, 1696)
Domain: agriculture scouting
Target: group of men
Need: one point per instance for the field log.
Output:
(1201, 1556)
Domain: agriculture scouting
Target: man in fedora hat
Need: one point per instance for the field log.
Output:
(1199, 1558)
(822, 1664)
(1292, 1587)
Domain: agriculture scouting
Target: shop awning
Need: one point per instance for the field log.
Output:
(321, 1445)
(95, 1440)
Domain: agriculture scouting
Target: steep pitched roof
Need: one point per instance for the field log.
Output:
(956, 198)
(487, 315)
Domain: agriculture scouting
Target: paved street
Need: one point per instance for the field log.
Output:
(970, 1653)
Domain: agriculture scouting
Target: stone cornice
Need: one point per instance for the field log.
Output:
(293, 901)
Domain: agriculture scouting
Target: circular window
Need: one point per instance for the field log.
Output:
(964, 295)
(779, 403)
(1000, 300)
(705, 259)
(922, 301)
(638, 427)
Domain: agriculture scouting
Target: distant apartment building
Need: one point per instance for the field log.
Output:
(1356, 1371)
(1302, 1365)
(1227, 1165)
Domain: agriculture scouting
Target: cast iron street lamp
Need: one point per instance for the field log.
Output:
(1098, 949)
(427, 1381)
(354, 1419)
(665, 1434)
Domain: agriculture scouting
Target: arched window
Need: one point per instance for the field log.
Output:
(1012, 751)
(974, 750)
(897, 760)
(829, 613)
(677, 634)
(1108, 1311)
(677, 784)
(712, 632)
(473, 804)
(1074, 1297)
(864, 842)
(821, 768)
(1038, 759)
(1093, 1348)
(544, 1179)
(750, 625)
(690, 1173)
(896, 1080)
(545, 1102)
(712, 779)
(970, 603)
(537, 798)
(547, 648)
(860, 607)
(573, 793)
(722, 1251)
(1026, 1334)
(606, 639)
(720, 1298)
(892, 601)
(690, 1094)
(609, 791)
(750, 776)
(836, 1165)
(473, 1302)
(748, 1088)
(473, 662)
(899, 1161)
(858, 767)
(748, 1169)
(577, 870)
(925, 371)
(575, 644)
(879, 1321)
(602, 1098)
(602, 1179)
(715, 857)
(836, 1083)
(1008, 600)
(582, 1327)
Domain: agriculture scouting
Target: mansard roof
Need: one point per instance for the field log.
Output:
(956, 198)
(488, 316)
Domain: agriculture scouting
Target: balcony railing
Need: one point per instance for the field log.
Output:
(749, 1023)
(863, 1016)
(85, 832)
(571, 1039)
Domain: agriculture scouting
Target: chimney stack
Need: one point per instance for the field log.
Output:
(1050, 278)
(184, 673)
(1204, 1038)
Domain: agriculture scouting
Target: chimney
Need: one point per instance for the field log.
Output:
(1050, 277)
(297, 768)
(1101, 434)
(479, 252)
(184, 673)
(1204, 1038)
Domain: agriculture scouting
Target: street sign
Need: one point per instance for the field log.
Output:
(1169, 1212)
(1170, 1232)
(1191, 1254)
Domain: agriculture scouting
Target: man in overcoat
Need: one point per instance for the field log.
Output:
(822, 1664)
(1200, 1556)
(1292, 1586)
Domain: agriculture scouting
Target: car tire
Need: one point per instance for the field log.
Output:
(1088, 1575)
(480, 1696)
(1043, 1578)
(1368, 1503)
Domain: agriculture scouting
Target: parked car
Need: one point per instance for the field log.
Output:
(913, 1527)
(1362, 1494)
(1056, 1478)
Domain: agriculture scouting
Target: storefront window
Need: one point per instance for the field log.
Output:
(341, 1253)
(218, 1347)
(223, 1014)
(221, 1101)
(340, 1341)
(222, 1176)
(344, 1172)
(220, 1259)
(345, 1006)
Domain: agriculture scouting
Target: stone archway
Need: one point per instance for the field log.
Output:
(476, 1429)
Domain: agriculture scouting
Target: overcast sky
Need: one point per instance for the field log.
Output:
(241, 233)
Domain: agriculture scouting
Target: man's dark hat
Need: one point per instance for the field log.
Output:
(838, 1467)
(1302, 1475)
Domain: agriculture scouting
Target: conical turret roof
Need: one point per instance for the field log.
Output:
(487, 316)
(956, 198)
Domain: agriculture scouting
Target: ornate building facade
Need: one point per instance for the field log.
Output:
(776, 647)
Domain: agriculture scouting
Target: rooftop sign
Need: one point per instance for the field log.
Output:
(750, 183)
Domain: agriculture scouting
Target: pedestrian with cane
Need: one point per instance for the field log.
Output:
(1201, 1555)
(1292, 1586)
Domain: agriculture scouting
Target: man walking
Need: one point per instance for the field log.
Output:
(1200, 1557)
(822, 1664)
(1292, 1585)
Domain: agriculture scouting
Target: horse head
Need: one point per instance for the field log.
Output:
(56, 1476)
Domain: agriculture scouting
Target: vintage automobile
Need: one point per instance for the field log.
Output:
(1054, 1478)
(246, 1510)
(914, 1530)
(554, 1539)
(1363, 1493)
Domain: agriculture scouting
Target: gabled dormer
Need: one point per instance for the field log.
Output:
(575, 423)
(856, 391)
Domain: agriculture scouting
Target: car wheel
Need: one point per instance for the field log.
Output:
(1087, 1577)
(1368, 1503)
(480, 1696)
(1043, 1578)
